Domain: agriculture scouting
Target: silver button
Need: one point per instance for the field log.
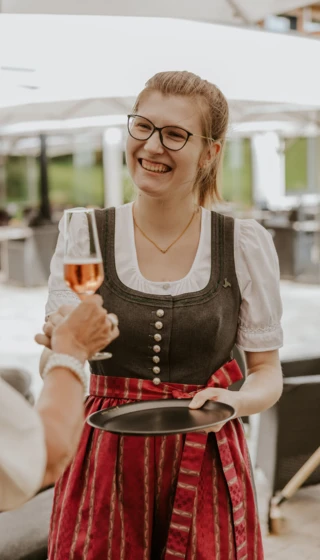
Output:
(157, 337)
(166, 286)
(158, 325)
(156, 359)
(156, 381)
(156, 370)
(156, 348)
(160, 313)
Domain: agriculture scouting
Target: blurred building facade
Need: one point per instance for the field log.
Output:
(303, 20)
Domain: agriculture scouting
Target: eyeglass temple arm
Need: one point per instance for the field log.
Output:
(205, 137)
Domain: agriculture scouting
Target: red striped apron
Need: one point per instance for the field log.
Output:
(163, 497)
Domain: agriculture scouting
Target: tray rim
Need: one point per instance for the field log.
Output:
(180, 403)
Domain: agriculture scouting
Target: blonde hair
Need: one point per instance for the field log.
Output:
(214, 113)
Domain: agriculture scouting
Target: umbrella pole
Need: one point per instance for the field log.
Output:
(45, 210)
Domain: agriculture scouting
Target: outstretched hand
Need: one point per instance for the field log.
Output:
(220, 395)
(80, 331)
(51, 323)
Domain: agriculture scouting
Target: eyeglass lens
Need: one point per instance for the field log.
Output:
(172, 137)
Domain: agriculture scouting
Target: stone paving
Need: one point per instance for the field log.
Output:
(22, 316)
(300, 537)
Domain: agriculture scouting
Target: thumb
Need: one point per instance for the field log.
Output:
(96, 299)
(200, 399)
(43, 340)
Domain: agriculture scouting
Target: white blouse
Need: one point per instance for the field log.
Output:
(256, 265)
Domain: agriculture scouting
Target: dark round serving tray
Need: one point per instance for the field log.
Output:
(160, 417)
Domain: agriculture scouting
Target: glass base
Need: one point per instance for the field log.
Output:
(100, 356)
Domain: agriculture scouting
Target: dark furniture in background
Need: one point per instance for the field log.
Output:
(24, 531)
(297, 246)
(289, 432)
(29, 259)
(296, 235)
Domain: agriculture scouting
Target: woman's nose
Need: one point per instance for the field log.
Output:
(153, 144)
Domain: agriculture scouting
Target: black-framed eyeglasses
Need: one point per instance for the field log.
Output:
(171, 137)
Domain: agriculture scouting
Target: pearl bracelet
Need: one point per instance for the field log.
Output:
(66, 361)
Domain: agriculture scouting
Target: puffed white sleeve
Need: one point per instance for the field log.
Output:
(59, 294)
(257, 269)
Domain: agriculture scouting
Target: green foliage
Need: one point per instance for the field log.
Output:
(16, 179)
(70, 185)
(237, 173)
(75, 186)
(81, 186)
(296, 165)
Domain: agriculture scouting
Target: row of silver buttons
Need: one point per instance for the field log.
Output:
(156, 348)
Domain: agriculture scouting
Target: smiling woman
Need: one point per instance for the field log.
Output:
(187, 285)
(200, 111)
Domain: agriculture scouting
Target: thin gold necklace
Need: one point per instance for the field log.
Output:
(173, 242)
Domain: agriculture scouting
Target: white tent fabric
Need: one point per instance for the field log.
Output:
(61, 135)
(224, 11)
(79, 67)
(245, 120)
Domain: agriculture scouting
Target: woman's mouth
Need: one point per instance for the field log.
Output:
(154, 167)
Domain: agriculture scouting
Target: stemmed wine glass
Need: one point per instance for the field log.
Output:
(83, 265)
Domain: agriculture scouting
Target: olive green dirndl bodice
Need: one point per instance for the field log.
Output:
(176, 339)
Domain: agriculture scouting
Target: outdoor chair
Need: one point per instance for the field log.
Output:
(289, 432)
(238, 355)
(24, 531)
(19, 379)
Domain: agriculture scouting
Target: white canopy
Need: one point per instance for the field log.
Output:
(223, 11)
(56, 68)
(62, 135)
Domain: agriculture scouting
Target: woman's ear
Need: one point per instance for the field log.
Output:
(210, 153)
